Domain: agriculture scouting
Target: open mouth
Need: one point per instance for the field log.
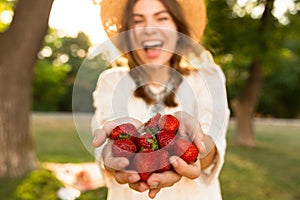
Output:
(153, 44)
(152, 48)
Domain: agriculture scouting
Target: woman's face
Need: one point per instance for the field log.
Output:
(154, 33)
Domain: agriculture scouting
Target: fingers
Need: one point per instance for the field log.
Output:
(112, 163)
(198, 140)
(115, 164)
(190, 127)
(103, 132)
(165, 179)
(129, 177)
(160, 180)
(139, 186)
(99, 137)
(153, 192)
(191, 171)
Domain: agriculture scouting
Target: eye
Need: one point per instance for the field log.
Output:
(163, 18)
(137, 20)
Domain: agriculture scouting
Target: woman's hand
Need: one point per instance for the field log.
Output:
(157, 181)
(116, 165)
(189, 127)
(103, 132)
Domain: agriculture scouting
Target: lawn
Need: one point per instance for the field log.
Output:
(268, 171)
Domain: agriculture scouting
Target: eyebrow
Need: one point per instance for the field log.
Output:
(155, 14)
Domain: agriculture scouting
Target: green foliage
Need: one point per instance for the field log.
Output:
(237, 38)
(99, 194)
(75, 50)
(63, 68)
(6, 6)
(280, 91)
(48, 87)
(40, 184)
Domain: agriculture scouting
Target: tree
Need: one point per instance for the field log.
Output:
(58, 64)
(246, 39)
(19, 45)
(281, 86)
(49, 87)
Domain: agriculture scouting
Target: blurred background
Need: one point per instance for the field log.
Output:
(43, 44)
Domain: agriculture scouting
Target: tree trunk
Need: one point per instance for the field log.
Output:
(244, 106)
(19, 46)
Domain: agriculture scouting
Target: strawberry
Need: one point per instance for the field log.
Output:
(168, 123)
(163, 161)
(123, 148)
(186, 150)
(147, 141)
(145, 163)
(124, 131)
(152, 123)
(166, 140)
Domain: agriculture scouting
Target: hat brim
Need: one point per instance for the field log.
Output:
(194, 12)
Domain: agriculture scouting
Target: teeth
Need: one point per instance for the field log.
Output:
(152, 44)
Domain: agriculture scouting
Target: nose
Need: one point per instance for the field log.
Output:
(149, 31)
(150, 27)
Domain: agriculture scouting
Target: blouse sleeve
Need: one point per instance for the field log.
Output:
(102, 101)
(213, 111)
(104, 93)
(102, 104)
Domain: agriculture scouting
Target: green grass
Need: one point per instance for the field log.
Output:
(56, 138)
(268, 171)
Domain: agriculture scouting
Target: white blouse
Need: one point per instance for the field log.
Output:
(202, 94)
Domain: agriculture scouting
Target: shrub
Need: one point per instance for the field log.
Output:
(40, 184)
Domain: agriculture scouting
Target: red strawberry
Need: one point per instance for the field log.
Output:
(146, 141)
(123, 148)
(186, 150)
(163, 161)
(166, 140)
(124, 131)
(169, 123)
(152, 123)
(145, 163)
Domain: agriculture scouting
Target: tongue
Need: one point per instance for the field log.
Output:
(152, 53)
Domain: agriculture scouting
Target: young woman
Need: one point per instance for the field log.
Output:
(166, 72)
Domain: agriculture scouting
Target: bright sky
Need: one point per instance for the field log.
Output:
(72, 16)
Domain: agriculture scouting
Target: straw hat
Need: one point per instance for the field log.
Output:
(194, 11)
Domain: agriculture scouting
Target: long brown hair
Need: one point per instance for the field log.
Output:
(177, 15)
